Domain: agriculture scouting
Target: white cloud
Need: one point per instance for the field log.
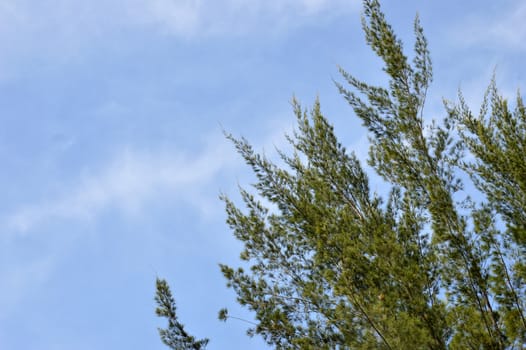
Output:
(181, 17)
(507, 30)
(510, 29)
(187, 18)
(80, 20)
(126, 183)
(65, 32)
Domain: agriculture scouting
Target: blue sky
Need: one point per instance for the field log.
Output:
(113, 156)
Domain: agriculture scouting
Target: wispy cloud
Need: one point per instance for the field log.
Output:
(504, 30)
(60, 20)
(189, 18)
(61, 32)
(129, 180)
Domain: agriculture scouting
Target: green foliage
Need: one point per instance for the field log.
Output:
(174, 336)
(332, 265)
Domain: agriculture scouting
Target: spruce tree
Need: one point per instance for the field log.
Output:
(331, 264)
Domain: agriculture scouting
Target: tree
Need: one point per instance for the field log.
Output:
(175, 336)
(333, 265)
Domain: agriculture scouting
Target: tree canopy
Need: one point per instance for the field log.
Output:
(334, 265)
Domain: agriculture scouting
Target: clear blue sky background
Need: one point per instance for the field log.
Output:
(112, 153)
